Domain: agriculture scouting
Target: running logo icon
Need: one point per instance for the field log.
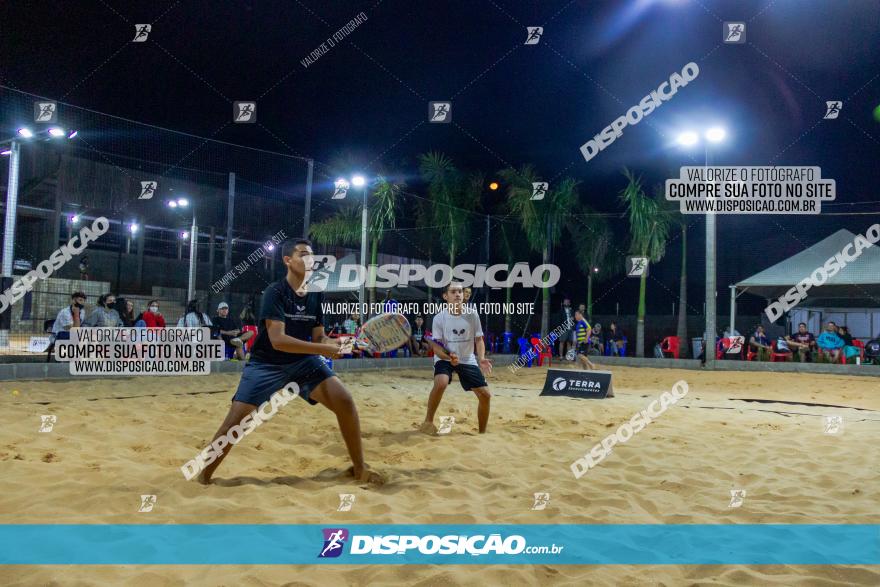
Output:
(148, 188)
(440, 112)
(318, 270)
(734, 32)
(446, 423)
(833, 425)
(45, 112)
(541, 501)
(832, 109)
(737, 497)
(47, 422)
(147, 503)
(560, 383)
(346, 501)
(341, 189)
(539, 190)
(533, 35)
(334, 541)
(141, 32)
(637, 266)
(244, 112)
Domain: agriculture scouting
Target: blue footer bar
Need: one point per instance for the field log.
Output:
(566, 544)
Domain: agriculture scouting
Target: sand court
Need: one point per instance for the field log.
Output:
(115, 440)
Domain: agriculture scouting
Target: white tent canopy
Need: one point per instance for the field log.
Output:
(857, 284)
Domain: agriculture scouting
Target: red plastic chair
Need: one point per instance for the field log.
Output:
(861, 345)
(250, 343)
(670, 345)
(776, 357)
(543, 351)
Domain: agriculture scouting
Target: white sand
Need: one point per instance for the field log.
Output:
(105, 451)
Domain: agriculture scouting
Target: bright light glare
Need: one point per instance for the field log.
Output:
(133, 228)
(716, 134)
(25, 132)
(688, 138)
(74, 219)
(172, 204)
(5, 151)
(72, 134)
(358, 181)
(182, 202)
(184, 235)
(56, 132)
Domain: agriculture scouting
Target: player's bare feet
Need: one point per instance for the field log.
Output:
(428, 428)
(365, 475)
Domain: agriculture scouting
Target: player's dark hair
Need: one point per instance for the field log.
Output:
(804, 324)
(290, 244)
(450, 284)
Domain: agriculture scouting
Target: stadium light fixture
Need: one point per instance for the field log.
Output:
(133, 227)
(171, 204)
(184, 235)
(358, 181)
(493, 186)
(182, 202)
(6, 152)
(716, 134)
(56, 132)
(688, 138)
(74, 219)
(25, 133)
(72, 134)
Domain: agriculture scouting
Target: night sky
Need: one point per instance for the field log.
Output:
(511, 103)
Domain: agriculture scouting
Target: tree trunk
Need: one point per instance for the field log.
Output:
(374, 254)
(640, 323)
(590, 296)
(545, 294)
(681, 331)
(508, 295)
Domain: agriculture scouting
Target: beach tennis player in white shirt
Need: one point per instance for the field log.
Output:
(457, 341)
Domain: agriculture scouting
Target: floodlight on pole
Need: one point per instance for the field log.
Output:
(358, 181)
(688, 138)
(716, 134)
(182, 202)
(56, 132)
(25, 133)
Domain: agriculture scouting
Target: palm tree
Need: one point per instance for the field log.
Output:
(344, 227)
(679, 221)
(542, 220)
(451, 193)
(649, 230)
(592, 239)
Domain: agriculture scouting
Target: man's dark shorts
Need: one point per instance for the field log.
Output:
(583, 348)
(260, 380)
(469, 376)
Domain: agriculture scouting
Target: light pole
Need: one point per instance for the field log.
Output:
(193, 244)
(13, 151)
(715, 134)
(359, 181)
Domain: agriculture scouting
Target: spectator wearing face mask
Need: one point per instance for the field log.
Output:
(70, 317)
(105, 313)
(152, 317)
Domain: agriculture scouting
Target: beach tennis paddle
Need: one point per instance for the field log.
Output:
(383, 333)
